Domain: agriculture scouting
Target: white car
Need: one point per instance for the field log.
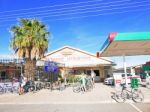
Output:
(109, 81)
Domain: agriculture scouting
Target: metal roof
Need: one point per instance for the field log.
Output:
(128, 44)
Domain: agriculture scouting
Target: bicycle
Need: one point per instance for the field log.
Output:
(39, 86)
(58, 85)
(6, 87)
(89, 84)
(28, 87)
(78, 87)
(135, 94)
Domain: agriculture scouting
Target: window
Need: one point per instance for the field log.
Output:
(88, 72)
(3, 75)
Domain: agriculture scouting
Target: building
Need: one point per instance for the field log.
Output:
(10, 67)
(76, 61)
(121, 70)
(143, 70)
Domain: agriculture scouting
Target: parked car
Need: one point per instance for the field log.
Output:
(109, 81)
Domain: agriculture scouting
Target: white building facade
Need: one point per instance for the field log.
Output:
(76, 61)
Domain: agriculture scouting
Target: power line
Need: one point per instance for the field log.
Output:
(99, 14)
(88, 11)
(95, 10)
(52, 6)
(70, 8)
(56, 15)
(119, 12)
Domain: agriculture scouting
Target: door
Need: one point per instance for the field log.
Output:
(97, 77)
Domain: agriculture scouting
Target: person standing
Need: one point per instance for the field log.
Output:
(83, 82)
(93, 75)
(147, 79)
(22, 82)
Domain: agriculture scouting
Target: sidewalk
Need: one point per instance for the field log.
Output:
(100, 94)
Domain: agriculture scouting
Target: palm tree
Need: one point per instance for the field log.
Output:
(29, 41)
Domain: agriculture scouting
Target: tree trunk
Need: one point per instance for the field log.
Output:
(30, 69)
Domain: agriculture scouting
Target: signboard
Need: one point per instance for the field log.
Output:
(50, 66)
(117, 79)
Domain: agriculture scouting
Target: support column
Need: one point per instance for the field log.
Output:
(125, 70)
(101, 73)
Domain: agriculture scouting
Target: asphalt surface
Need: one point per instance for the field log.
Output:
(98, 100)
(117, 107)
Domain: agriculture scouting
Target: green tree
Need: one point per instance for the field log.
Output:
(29, 41)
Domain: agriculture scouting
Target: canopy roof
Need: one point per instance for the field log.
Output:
(128, 44)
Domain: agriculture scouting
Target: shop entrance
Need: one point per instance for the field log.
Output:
(97, 73)
(97, 78)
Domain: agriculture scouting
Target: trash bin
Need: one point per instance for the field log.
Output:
(134, 83)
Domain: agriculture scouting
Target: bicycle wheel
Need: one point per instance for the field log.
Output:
(137, 96)
(1, 90)
(89, 87)
(16, 90)
(76, 88)
(120, 96)
(47, 85)
(62, 87)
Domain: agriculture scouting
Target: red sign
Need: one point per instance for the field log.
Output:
(112, 36)
(118, 81)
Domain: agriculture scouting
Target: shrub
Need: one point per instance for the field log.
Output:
(73, 78)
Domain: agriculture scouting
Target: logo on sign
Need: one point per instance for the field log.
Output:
(50, 66)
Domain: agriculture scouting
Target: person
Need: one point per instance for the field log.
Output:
(93, 76)
(22, 82)
(83, 82)
(147, 79)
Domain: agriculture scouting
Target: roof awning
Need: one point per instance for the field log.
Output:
(75, 65)
(42, 63)
(127, 44)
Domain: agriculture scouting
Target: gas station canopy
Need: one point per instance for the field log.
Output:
(126, 44)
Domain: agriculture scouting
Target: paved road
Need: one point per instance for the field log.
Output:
(98, 100)
(101, 93)
(122, 107)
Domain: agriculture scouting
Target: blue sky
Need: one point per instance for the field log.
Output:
(84, 24)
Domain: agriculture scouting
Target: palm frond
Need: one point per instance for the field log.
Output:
(30, 38)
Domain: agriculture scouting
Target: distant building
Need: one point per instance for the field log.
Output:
(143, 70)
(121, 70)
